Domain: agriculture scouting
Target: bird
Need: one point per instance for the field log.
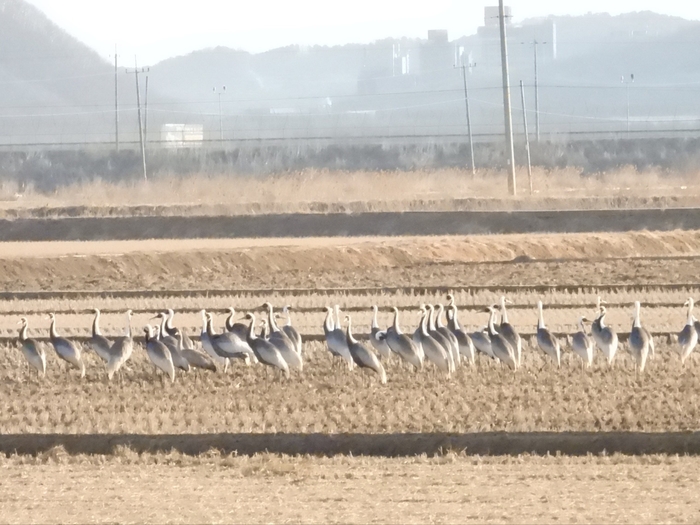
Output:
(466, 345)
(401, 344)
(292, 332)
(172, 342)
(361, 355)
(174, 332)
(688, 337)
(447, 333)
(121, 349)
(545, 340)
(440, 337)
(159, 353)
(508, 331)
(228, 344)
(434, 352)
(639, 340)
(99, 343)
(32, 350)
(207, 345)
(482, 340)
(194, 358)
(336, 340)
(240, 329)
(604, 336)
(380, 345)
(500, 346)
(66, 350)
(283, 343)
(265, 352)
(582, 345)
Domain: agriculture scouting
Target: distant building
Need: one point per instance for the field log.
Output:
(176, 136)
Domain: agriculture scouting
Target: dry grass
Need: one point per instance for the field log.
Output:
(320, 190)
(272, 489)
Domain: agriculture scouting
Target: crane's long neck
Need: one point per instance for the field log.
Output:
(438, 316)
(540, 321)
(289, 316)
(504, 314)
(128, 325)
(52, 329)
(229, 320)
(169, 321)
(251, 330)
(328, 323)
(271, 319)
(23, 331)
(455, 318)
(637, 322)
(492, 318)
(348, 335)
(163, 323)
(96, 324)
(580, 323)
(337, 317)
(431, 320)
(396, 321)
(691, 319)
(204, 321)
(424, 322)
(180, 340)
(210, 329)
(375, 323)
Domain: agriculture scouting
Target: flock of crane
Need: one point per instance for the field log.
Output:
(444, 346)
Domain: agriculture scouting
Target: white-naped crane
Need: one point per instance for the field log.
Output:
(159, 353)
(639, 341)
(238, 328)
(228, 345)
(98, 342)
(336, 340)
(508, 331)
(482, 340)
(605, 336)
(440, 338)
(195, 358)
(401, 344)
(265, 352)
(546, 340)
(121, 350)
(500, 346)
(292, 332)
(207, 345)
(688, 337)
(466, 345)
(174, 332)
(32, 350)
(66, 349)
(582, 344)
(379, 344)
(447, 333)
(433, 351)
(172, 342)
(283, 343)
(361, 355)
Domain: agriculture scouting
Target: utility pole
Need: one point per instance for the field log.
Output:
(510, 152)
(527, 136)
(145, 115)
(136, 72)
(116, 99)
(464, 67)
(221, 121)
(536, 43)
(627, 93)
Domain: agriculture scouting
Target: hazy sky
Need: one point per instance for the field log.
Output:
(158, 29)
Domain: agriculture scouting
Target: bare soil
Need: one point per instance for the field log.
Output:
(163, 265)
(55, 488)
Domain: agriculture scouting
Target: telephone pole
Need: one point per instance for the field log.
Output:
(136, 72)
(536, 43)
(145, 115)
(221, 121)
(464, 67)
(510, 152)
(116, 99)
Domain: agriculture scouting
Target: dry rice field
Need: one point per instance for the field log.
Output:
(83, 445)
